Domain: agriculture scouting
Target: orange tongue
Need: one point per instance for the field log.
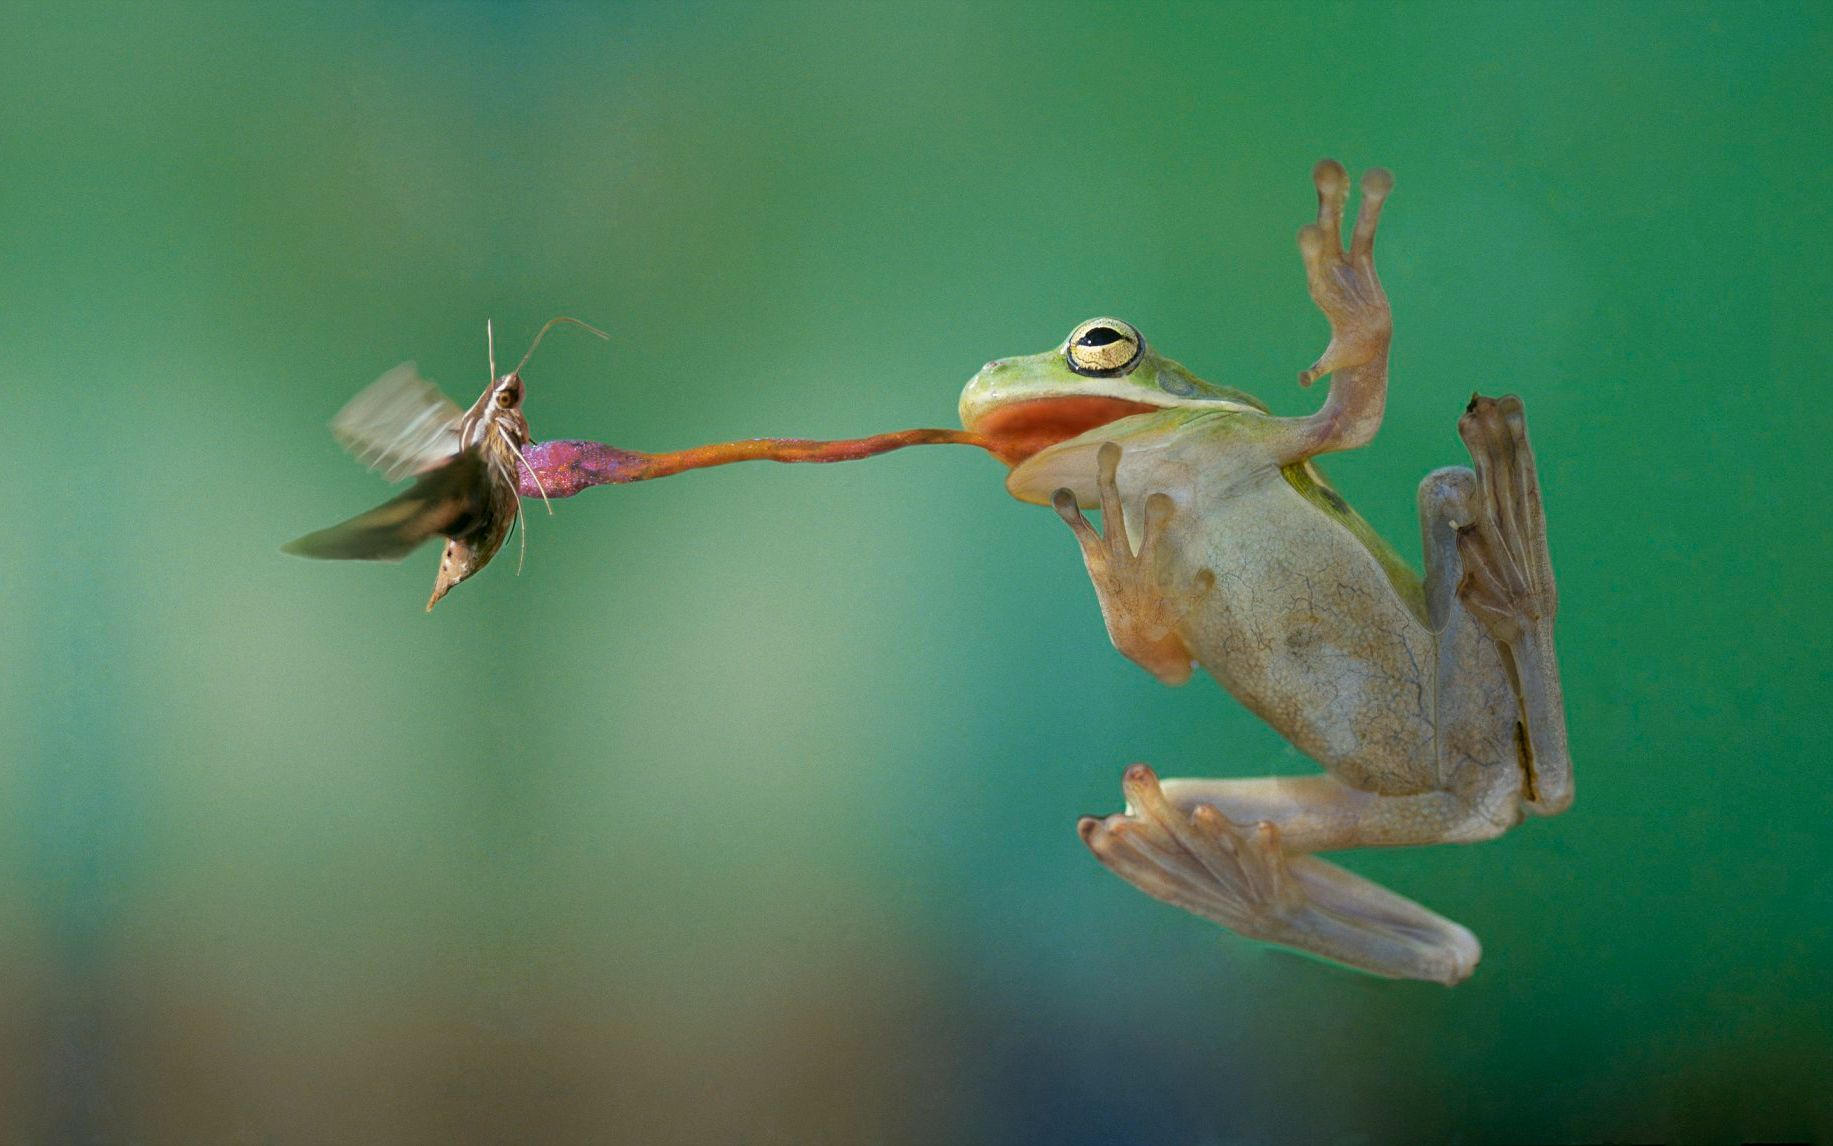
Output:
(563, 468)
(1011, 433)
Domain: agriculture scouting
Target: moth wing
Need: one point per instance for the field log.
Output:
(441, 502)
(400, 424)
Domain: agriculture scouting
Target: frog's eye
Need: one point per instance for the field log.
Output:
(1104, 347)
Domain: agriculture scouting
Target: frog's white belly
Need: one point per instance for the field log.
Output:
(1305, 629)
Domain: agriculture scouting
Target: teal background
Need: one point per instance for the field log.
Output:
(746, 813)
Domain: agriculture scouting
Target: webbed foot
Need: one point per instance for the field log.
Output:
(1508, 575)
(1507, 585)
(1346, 287)
(1238, 876)
(1232, 873)
(1142, 616)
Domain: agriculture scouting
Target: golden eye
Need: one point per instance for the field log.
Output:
(505, 398)
(1104, 347)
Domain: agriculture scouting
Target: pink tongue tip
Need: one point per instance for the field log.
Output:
(565, 467)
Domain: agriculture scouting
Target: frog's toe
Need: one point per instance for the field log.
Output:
(1137, 852)
(1324, 239)
(1377, 184)
(1097, 551)
(1318, 247)
(1332, 183)
(1160, 509)
(1107, 484)
(1064, 502)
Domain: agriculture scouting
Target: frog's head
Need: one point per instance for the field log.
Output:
(1044, 411)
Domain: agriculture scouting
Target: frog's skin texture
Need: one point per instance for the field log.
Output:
(1433, 705)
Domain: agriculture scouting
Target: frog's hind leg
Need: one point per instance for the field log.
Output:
(1239, 876)
(1506, 584)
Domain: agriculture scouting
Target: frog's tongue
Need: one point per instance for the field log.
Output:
(563, 468)
(1013, 434)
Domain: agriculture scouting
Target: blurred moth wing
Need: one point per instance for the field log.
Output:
(400, 424)
(449, 500)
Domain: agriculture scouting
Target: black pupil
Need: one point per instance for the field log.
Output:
(1100, 336)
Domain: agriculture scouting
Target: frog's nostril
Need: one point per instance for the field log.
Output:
(993, 365)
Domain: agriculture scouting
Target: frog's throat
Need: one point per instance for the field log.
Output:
(1020, 430)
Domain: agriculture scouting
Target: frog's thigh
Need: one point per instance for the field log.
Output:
(1476, 703)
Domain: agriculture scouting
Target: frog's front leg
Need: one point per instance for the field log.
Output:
(1240, 876)
(1141, 616)
(1347, 289)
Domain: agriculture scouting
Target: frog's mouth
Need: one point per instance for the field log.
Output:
(1018, 431)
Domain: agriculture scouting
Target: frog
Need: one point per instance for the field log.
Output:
(1432, 702)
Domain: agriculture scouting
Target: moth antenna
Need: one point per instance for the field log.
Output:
(521, 529)
(533, 473)
(490, 344)
(542, 333)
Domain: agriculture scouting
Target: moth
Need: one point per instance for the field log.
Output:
(464, 461)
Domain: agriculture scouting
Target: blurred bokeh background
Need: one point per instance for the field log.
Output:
(746, 812)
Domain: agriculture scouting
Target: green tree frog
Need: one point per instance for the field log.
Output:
(1433, 704)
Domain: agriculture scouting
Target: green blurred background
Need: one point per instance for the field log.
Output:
(746, 813)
